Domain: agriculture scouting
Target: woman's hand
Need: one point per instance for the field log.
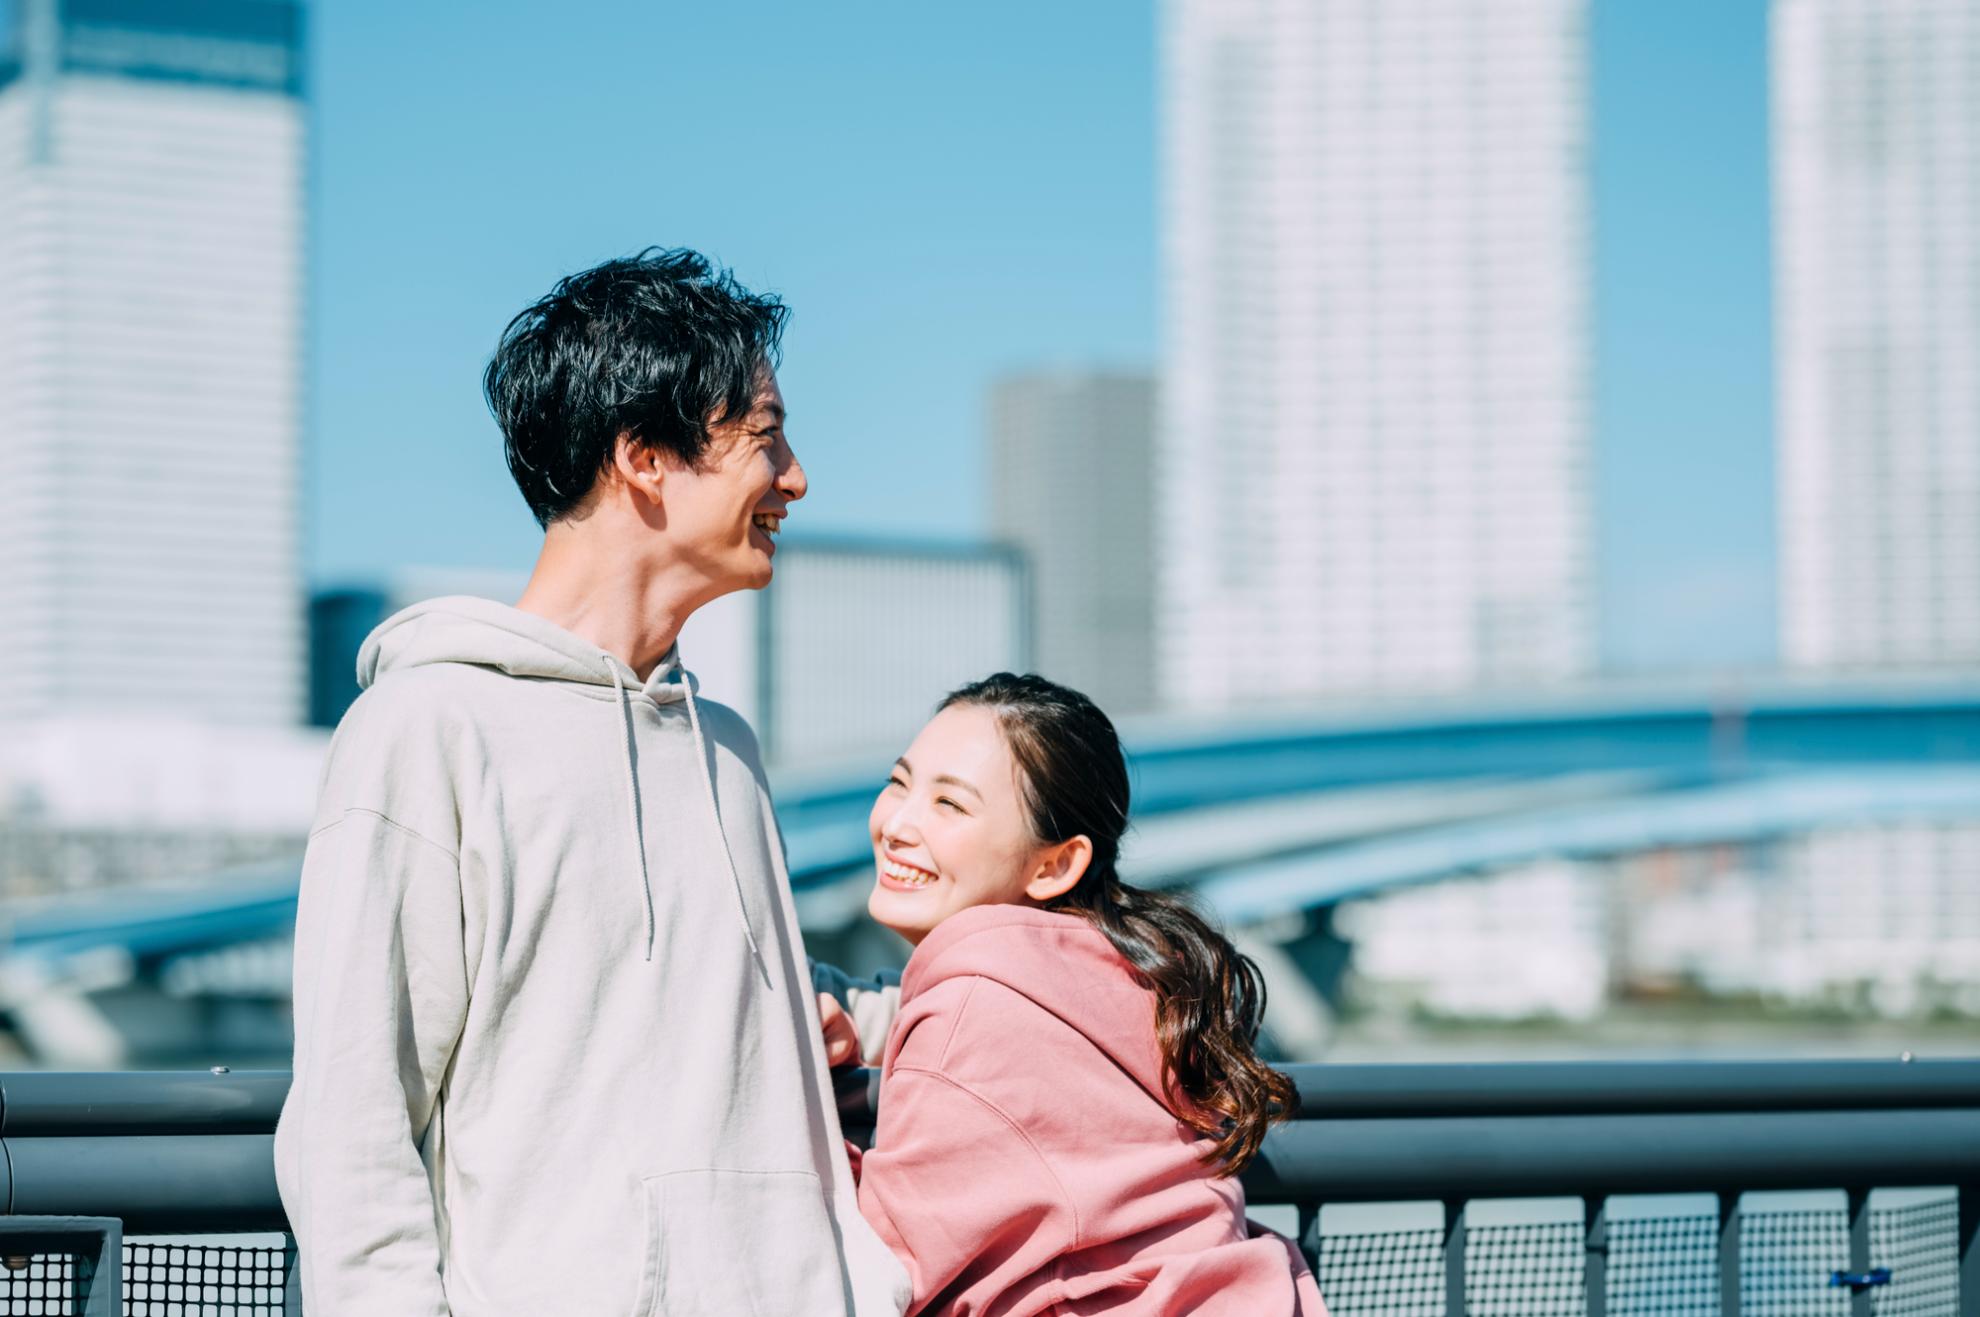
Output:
(841, 1038)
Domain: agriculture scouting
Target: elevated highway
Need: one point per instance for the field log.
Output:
(1270, 816)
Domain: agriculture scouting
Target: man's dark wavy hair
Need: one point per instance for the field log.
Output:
(658, 347)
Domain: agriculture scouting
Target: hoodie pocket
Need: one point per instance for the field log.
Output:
(739, 1244)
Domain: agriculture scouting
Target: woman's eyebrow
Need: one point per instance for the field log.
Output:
(948, 780)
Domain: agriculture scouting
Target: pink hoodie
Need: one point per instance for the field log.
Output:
(1025, 1162)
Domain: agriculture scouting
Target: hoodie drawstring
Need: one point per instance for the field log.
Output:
(715, 812)
(708, 791)
(632, 801)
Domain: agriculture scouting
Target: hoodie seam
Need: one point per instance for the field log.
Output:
(955, 1019)
(1072, 1208)
(389, 822)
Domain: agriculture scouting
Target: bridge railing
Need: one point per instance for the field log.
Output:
(1784, 1189)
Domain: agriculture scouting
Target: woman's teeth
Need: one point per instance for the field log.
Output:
(906, 875)
(766, 523)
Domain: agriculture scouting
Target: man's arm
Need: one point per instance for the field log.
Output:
(380, 996)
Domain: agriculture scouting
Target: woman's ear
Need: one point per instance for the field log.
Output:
(1060, 869)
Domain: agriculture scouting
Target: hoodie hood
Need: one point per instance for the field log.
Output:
(1060, 962)
(1029, 1165)
(463, 629)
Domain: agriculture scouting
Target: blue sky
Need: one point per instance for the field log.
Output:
(943, 193)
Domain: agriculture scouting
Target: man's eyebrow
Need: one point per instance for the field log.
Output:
(774, 408)
(948, 780)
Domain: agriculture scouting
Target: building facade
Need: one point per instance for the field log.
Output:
(343, 614)
(1072, 464)
(1374, 435)
(1876, 149)
(152, 200)
(846, 653)
(1859, 920)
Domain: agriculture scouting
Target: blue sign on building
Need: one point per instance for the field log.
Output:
(10, 41)
(232, 43)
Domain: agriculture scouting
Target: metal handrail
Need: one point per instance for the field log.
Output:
(177, 1151)
(222, 1101)
(1587, 1088)
(216, 1101)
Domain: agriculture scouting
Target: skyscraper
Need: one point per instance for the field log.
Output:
(1374, 444)
(1071, 472)
(847, 653)
(151, 274)
(1876, 131)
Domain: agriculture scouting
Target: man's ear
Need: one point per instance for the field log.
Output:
(1060, 869)
(639, 466)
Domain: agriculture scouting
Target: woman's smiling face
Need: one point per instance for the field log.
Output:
(950, 829)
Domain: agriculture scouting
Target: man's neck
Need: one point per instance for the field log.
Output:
(631, 609)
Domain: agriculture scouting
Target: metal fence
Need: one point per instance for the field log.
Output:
(1765, 1189)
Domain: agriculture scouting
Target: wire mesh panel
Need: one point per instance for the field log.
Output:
(44, 1284)
(203, 1280)
(1662, 1261)
(1664, 1266)
(1786, 1259)
(1525, 1270)
(1659, 1264)
(1919, 1243)
(1390, 1273)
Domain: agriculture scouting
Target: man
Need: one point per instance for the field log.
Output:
(556, 1049)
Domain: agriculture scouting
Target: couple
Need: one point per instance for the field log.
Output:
(557, 1048)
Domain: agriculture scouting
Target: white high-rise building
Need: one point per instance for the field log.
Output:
(1876, 137)
(1072, 464)
(1375, 456)
(846, 654)
(152, 190)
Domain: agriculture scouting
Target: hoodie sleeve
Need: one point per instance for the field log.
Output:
(952, 1183)
(958, 1193)
(380, 996)
(1306, 1290)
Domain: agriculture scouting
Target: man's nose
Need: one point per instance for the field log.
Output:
(792, 483)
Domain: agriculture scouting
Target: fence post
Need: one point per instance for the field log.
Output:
(1595, 1270)
(1309, 1234)
(1454, 1303)
(1729, 1255)
(291, 1277)
(1860, 1304)
(1968, 1244)
(92, 1285)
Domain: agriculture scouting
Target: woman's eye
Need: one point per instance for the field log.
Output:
(944, 800)
(895, 782)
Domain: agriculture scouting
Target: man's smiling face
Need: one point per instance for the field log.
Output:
(726, 512)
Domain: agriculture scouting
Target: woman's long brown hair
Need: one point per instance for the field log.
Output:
(1209, 997)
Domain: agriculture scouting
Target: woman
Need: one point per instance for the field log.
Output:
(1071, 1086)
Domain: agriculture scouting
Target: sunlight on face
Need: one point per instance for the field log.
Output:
(949, 829)
(726, 513)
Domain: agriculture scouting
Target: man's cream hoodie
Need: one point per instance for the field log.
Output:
(556, 1048)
